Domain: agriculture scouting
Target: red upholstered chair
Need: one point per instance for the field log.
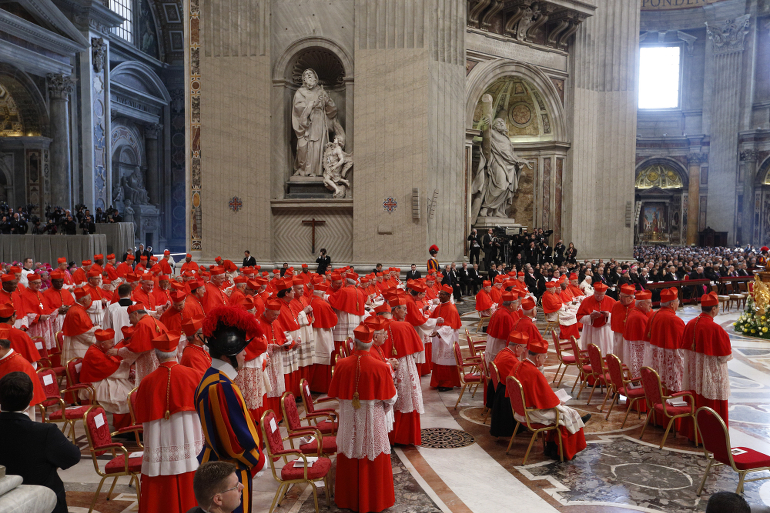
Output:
(656, 403)
(99, 442)
(564, 359)
(350, 346)
(294, 426)
(619, 385)
(290, 474)
(63, 414)
(597, 372)
(310, 404)
(466, 378)
(74, 384)
(717, 442)
(519, 406)
(475, 346)
(134, 427)
(47, 358)
(494, 376)
(583, 365)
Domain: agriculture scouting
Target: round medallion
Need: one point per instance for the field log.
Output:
(649, 475)
(196, 200)
(444, 438)
(520, 114)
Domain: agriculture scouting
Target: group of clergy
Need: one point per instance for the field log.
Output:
(135, 325)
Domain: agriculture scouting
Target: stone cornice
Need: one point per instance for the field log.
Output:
(91, 14)
(31, 61)
(46, 11)
(37, 35)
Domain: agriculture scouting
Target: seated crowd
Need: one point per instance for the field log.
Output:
(56, 220)
(217, 355)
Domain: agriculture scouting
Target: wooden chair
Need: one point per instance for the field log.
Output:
(99, 442)
(620, 382)
(474, 346)
(289, 474)
(583, 365)
(724, 299)
(598, 372)
(564, 359)
(519, 406)
(656, 403)
(133, 427)
(466, 379)
(67, 416)
(736, 296)
(328, 443)
(717, 442)
(309, 403)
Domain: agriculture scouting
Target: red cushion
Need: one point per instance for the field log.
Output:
(473, 378)
(320, 468)
(632, 392)
(329, 446)
(587, 369)
(326, 427)
(537, 426)
(568, 359)
(60, 371)
(73, 413)
(673, 410)
(116, 465)
(324, 410)
(751, 459)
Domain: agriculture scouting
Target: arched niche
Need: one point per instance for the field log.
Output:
(763, 173)
(135, 76)
(29, 101)
(334, 67)
(660, 186)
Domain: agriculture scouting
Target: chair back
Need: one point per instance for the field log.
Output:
(595, 359)
(616, 371)
(485, 366)
(714, 434)
(343, 351)
(290, 413)
(307, 399)
(581, 361)
(47, 379)
(272, 435)
(73, 371)
(350, 346)
(458, 357)
(132, 404)
(556, 344)
(516, 395)
(59, 341)
(651, 385)
(40, 346)
(97, 430)
(494, 374)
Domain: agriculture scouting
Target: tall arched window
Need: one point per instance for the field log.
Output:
(124, 8)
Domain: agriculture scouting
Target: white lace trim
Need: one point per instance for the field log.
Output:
(171, 446)
(633, 356)
(707, 375)
(443, 346)
(494, 346)
(324, 346)
(253, 383)
(408, 386)
(363, 432)
(669, 363)
(275, 371)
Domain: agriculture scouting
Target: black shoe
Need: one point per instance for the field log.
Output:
(551, 450)
(585, 418)
(298, 399)
(444, 389)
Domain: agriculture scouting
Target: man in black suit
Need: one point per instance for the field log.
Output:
(451, 279)
(475, 280)
(558, 252)
(32, 450)
(465, 284)
(413, 273)
(248, 260)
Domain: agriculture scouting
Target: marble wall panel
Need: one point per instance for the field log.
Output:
(523, 207)
(293, 243)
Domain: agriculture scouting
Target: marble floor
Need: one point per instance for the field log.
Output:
(616, 473)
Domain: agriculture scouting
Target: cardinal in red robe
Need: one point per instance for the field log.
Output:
(365, 391)
(108, 375)
(11, 361)
(502, 422)
(618, 318)
(484, 303)
(594, 313)
(445, 374)
(195, 355)
(324, 321)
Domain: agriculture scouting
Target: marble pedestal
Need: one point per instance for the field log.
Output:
(510, 225)
(299, 187)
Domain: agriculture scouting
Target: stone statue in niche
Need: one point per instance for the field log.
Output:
(497, 178)
(336, 166)
(133, 188)
(313, 116)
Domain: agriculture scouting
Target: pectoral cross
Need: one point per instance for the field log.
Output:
(313, 222)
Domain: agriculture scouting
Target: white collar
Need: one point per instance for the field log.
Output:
(9, 353)
(225, 368)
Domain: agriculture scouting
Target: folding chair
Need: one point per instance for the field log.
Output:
(67, 416)
(466, 378)
(519, 405)
(564, 359)
(620, 385)
(294, 426)
(656, 403)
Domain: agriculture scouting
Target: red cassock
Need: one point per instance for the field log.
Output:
(165, 266)
(55, 299)
(15, 300)
(575, 290)
(406, 427)
(590, 304)
(77, 321)
(635, 330)
(79, 275)
(123, 269)
(566, 295)
(348, 299)
(289, 322)
(196, 358)
(446, 375)
(415, 317)
(190, 266)
(297, 304)
(496, 295)
(23, 344)
(500, 326)
(619, 316)
(98, 365)
(526, 326)
(15, 362)
(707, 376)
(538, 394)
(214, 297)
(363, 484)
(167, 390)
(34, 302)
(148, 300)
(323, 318)
(172, 319)
(505, 361)
(236, 296)
(664, 333)
(551, 303)
(483, 301)
(95, 292)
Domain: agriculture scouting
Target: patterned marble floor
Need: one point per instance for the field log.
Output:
(617, 473)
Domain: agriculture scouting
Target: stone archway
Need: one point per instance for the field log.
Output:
(660, 187)
(528, 101)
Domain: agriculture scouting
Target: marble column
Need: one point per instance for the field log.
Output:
(599, 191)
(60, 88)
(151, 134)
(693, 196)
(727, 48)
(749, 161)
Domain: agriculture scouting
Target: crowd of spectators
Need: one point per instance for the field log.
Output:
(56, 220)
